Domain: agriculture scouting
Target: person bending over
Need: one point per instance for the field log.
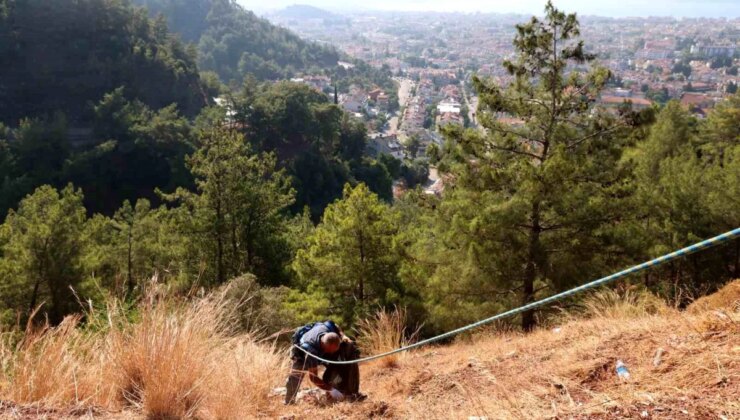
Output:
(325, 340)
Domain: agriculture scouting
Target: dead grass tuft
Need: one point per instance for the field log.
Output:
(244, 375)
(160, 364)
(384, 332)
(45, 365)
(631, 303)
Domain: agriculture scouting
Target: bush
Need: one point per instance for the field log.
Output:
(727, 297)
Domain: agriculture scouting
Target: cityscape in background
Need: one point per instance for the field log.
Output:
(434, 57)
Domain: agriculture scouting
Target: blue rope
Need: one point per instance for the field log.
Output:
(725, 237)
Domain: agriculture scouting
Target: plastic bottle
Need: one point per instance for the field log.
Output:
(622, 371)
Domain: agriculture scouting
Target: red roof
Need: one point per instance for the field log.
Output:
(694, 99)
(618, 100)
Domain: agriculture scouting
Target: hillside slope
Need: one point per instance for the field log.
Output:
(233, 41)
(184, 364)
(305, 11)
(566, 372)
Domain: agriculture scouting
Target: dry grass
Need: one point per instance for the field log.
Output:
(384, 332)
(176, 361)
(46, 366)
(568, 372)
(244, 375)
(727, 298)
(183, 361)
(160, 363)
(630, 303)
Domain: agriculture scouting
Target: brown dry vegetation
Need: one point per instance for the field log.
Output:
(179, 361)
(175, 361)
(384, 332)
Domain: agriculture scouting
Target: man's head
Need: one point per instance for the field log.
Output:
(330, 343)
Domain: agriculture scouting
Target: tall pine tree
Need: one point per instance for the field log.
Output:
(350, 256)
(531, 203)
(236, 214)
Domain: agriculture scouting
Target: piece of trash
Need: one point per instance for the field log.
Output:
(684, 411)
(644, 414)
(622, 371)
(477, 418)
(646, 396)
(658, 355)
(557, 330)
(278, 391)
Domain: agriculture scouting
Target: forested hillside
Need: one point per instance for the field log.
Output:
(63, 55)
(114, 167)
(98, 94)
(233, 42)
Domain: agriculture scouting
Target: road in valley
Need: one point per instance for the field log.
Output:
(472, 104)
(404, 96)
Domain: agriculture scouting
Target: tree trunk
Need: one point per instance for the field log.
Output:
(130, 277)
(530, 275)
(737, 259)
(250, 243)
(220, 276)
(34, 296)
(361, 291)
(695, 275)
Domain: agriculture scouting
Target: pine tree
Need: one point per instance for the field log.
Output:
(687, 177)
(237, 212)
(41, 246)
(350, 256)
(137, 243)
(531, 203)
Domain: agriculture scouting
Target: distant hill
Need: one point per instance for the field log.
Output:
(233, 42)
(305, 11)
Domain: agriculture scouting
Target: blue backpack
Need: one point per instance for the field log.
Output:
(299, 332)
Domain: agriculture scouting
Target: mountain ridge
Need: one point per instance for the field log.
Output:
(305, 11)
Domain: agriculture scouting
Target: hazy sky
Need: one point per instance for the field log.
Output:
(678, 8)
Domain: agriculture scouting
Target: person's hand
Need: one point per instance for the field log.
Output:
(336, 395)
(346, 339)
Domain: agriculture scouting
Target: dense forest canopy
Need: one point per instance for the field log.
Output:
(320, 146)
(63, 55)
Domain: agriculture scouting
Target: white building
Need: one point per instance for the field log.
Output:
(380, 143)
(353, 103)
(449, 106)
